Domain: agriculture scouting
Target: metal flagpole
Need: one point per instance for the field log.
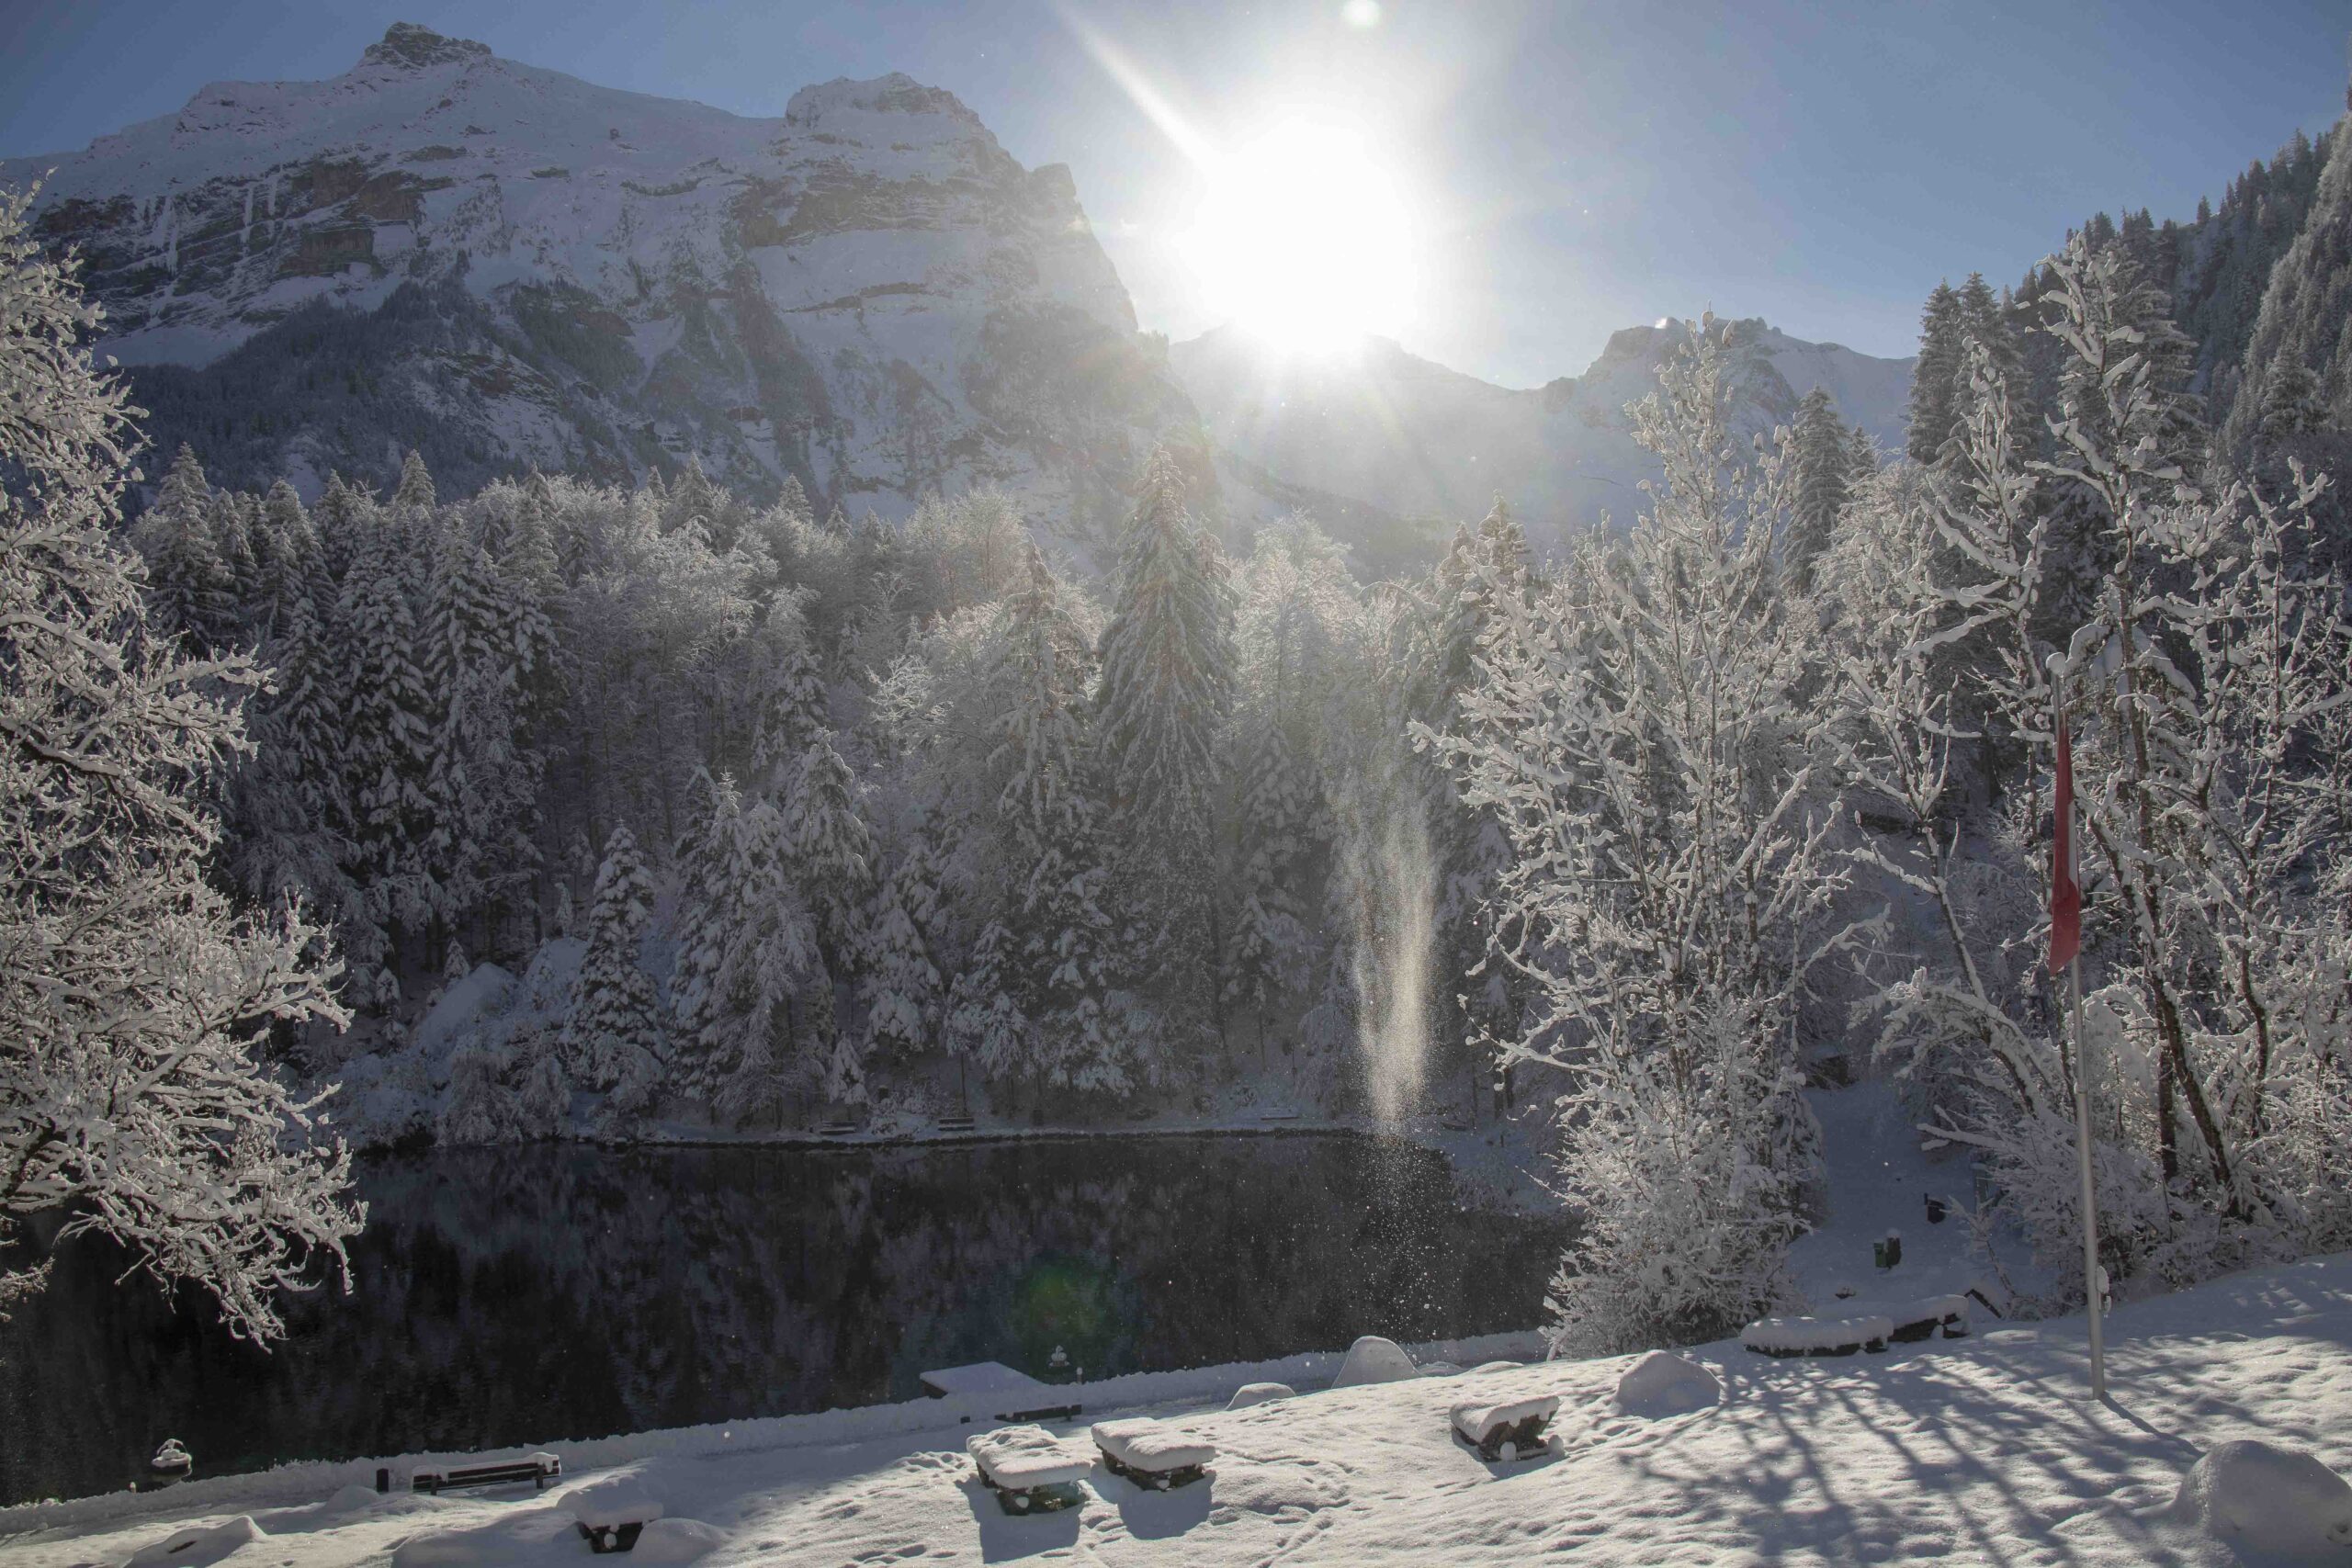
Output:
(2091, 1292)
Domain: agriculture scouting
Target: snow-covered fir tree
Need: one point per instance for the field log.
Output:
(1166, 687)
(615, 1035)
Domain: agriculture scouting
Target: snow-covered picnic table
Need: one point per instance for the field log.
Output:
(1029, 1467)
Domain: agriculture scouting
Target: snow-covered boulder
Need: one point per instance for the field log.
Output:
(1020, 1459)
(1662, 1383)
(193, 1546)
(1250, 1393)
(1374, 1359)
(2273, 1500)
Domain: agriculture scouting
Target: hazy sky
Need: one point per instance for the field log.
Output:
(1568, 169)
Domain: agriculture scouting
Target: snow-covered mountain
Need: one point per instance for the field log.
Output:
(505, 266)
(1376, 427)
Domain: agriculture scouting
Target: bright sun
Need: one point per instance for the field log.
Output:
(1304, 239)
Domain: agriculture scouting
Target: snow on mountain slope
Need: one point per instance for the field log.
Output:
(1379, 427)
(506, 265)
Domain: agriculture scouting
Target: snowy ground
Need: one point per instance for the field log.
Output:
(1981, 1451)
(1978, 1450)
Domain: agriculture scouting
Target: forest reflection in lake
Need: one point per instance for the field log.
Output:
(562, 1291)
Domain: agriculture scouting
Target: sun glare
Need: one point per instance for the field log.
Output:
(1304, 240)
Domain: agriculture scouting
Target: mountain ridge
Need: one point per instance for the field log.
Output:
(867, 295)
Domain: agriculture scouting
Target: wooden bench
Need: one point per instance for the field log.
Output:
(1914, 1320)
(1818, 1335)
(1153, 1454)
(538, 1470)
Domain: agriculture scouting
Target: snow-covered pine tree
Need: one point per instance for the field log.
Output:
(1166, 685)
(899, 982)
(615, 1035)
(1943, 330)
(701, 862)
(1047, 962)
(1862, 457)
(480, 782)
(845, 1083)
(542, 1103)
(1822, 465)
(188, 583)
(236, 523)
(288, 546)
(772, 1033)
(1267, 951)
(135, 1000)
(789, 708)
(387, 741)
(289, 818)
(830, 853)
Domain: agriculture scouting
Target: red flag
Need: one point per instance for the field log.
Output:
(2066, 895)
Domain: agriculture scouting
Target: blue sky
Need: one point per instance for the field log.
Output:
(1568, 168)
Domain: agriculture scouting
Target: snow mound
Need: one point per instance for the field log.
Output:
(1250, 1393)
(677, 1540)
(1662, 1383)
(197, 1546)
(2274, 1500)
(1141, 1443)
(529, 1536)
(1020, 1459)
(611, 1503)
(1373, 1360)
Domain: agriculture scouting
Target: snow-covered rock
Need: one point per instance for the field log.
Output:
(1373, 1360)
(2277, 1501)
(1662, 1383)
(198, 1547)
(869, 294)
(1250, 1393)
(1020, 1459)
(1140, 1443)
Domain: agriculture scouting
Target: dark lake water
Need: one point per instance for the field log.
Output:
(516, 1295)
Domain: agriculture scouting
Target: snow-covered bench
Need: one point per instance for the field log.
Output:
(1817, 1336)
(536, 1469)
(1914, 1320)
(1152, 1454)
(1029, 1469)
(612, 1514)
(1506, 1429)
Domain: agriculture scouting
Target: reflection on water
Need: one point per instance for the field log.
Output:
(514, 1295)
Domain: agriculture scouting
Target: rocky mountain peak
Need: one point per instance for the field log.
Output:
(405, 46)
(895, 109)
